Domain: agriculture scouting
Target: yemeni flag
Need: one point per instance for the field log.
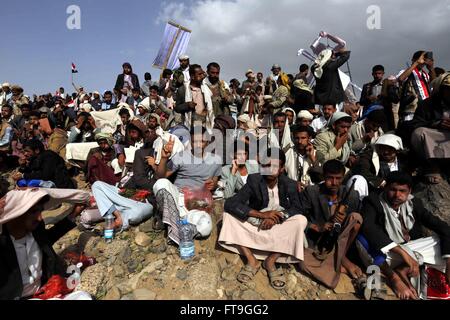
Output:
(74, 68)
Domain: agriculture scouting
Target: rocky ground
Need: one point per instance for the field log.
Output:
(140, 265)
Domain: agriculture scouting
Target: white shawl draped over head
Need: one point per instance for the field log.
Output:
(392, 224)
(207, 94)
(390, 140)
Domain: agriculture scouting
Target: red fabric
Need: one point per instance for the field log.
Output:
(98, 170)
(437, 286)
(56, 287)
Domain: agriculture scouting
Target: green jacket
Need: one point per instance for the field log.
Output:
(324, 144)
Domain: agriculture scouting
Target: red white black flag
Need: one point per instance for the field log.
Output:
(74, 68)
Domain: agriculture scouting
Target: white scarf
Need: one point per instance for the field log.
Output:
(392, 224)
(207, 94)
(163, 139)
(292, 166)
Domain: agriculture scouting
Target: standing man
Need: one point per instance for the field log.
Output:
(328, 82)
(127, 81)
(415, 82)
(221, 95)
(303, 73)
(181, 75)
(5, 94)
(194, 100)
(371, 93)
(147, 84)
(272, 81)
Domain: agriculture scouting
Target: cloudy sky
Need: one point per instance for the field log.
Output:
(37, 48)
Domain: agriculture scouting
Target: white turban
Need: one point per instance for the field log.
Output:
(390, 140)
(305, 114)
(145, 103)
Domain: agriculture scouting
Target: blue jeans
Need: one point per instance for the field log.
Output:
(108, 201)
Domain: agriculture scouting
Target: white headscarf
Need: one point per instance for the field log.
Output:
(321, 60)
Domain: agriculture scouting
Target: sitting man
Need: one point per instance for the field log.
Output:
(304, 118)
(376, 163)
(85, 129)
(126, 211)
(301, 157)
(235, 175)
(367, 131)
(144, 166)
(335, 143)
(431, 138)
(102, 162)
(194, 169)
(44, 165)
(27, 257)
(121, 131)
(393, 232)
(325, 205)
(263, 222)
(321, 124)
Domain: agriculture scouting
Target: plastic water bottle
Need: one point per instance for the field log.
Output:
(109, 228)
(187, 246)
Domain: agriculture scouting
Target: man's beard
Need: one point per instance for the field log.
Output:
(213, 80)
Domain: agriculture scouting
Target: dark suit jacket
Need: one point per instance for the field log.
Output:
(329, 87)
(428, 114)
(255, 196)
(11, 286)
(142, 171)
(366, 168)
(121, 80)
(49, 166)
(315, 206)
(374, 230)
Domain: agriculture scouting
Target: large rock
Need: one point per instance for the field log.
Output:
(229, 274)
(291, 283)
(92, 279)
(250, 295)
(142, 239)
(436, 198)
(203, 280)
(146, 227)
(113, 295)
(144, 294)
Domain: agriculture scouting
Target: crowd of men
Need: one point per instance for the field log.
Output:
(325, 164)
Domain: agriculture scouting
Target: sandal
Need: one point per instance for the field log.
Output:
(157, 224)
(275, 277)
(247, 274)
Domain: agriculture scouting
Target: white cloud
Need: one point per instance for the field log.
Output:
(240, 34)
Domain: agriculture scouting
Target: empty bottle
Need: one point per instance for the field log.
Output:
(109, 228)
(187, 234)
